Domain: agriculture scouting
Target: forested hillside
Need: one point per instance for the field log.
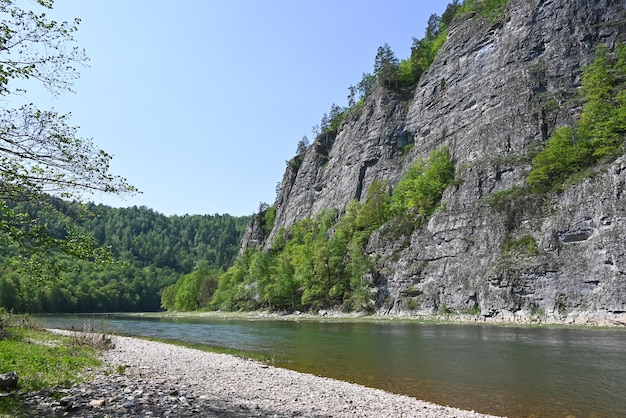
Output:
(149, 251)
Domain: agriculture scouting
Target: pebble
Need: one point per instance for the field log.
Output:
(162, 380)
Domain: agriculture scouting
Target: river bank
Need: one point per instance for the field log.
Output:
(580, 319)
(147, 378)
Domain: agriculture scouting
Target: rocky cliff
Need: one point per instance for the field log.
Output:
(494, 93)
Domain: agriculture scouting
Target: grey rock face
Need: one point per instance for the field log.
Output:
(495, 92)
(339, 168)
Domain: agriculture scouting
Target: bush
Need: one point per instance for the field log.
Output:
(492, 10)
(599, 133)
(525, 245)
(422, 186)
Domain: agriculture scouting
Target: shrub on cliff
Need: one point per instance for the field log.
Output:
(599, 133)
(422, 186)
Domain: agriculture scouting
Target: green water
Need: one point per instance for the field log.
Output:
(516, 372)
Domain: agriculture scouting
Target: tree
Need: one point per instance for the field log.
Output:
(303, 144)
(386, 65)
(375, 210)
(365, 85)
(40, 153)
(564, 155)
(599, 133)
(601, 87)
(451, 11)
(433, 26)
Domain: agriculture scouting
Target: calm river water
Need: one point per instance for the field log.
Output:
(517, 372)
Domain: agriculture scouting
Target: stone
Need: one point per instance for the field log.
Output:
(8, 381)
(97, 403)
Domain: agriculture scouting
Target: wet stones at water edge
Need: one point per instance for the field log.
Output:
(8, 381)
(124, 396)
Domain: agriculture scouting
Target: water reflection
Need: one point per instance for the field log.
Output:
(499, 370)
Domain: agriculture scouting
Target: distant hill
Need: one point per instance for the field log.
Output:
(152, 251)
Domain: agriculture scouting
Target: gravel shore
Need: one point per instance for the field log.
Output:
(145, 378)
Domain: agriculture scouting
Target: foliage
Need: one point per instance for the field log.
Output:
(564, 155)
(405, 73)
(375, 211)
(318, 263)
(40, 153)
(331, 122)
(297, 160)
(269, 216)
(153, 252)
(525, 245)
(357, 94)
(386, 66)
(492, 10)
(603, 119)
(599, 133)
(420, 189)
(191, 291)
(321, 262)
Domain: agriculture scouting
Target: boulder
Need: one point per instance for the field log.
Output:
(8, 381)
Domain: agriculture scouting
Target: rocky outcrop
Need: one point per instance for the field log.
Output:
(494, 93)
(339, 168)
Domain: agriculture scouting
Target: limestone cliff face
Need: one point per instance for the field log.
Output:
(495, 92)
(339, 168)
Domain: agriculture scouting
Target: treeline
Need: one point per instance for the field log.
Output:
(319, 262)
(149, 251)
(147, 238)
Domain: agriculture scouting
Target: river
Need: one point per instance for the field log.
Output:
(501, 370)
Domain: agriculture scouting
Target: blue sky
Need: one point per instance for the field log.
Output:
(201, 102)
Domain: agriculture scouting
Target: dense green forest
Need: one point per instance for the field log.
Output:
(148, 251)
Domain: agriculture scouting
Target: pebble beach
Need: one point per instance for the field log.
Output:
(142, 378)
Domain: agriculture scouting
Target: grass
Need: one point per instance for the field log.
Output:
(42, 360)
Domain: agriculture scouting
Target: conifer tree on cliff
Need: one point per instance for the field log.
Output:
(41, 154)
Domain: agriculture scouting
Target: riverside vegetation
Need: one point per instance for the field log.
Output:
(44, 361)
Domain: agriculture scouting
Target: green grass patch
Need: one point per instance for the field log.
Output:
(525, 245)
(492, 10)
(42, 360)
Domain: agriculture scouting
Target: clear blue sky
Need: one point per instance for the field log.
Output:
(201, 102)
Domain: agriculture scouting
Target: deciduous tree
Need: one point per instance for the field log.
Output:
(40, 152)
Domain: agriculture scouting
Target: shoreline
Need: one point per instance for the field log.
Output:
(145, 378)
(583, 320)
